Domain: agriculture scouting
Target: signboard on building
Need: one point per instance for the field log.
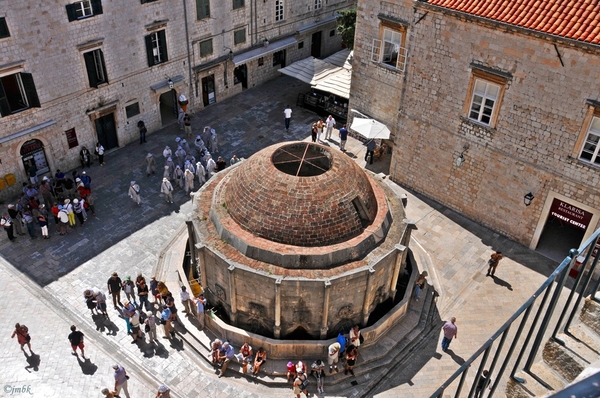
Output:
(72, 138)
(568, 213)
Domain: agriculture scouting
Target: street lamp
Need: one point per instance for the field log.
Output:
(528, 198)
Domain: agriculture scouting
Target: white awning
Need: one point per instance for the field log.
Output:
(262, 51)
(309, 70)
(336, 83)
(341, 58)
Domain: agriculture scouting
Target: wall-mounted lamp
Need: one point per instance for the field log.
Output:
(528, 198)
(170, 84)
(461, 158)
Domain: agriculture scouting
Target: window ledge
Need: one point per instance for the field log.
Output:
(90, 44)
(156, 25)
(487, 127)
(388, 67)
(585, 162)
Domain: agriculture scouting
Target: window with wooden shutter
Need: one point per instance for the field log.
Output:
(238, 4)
(83, 9)
(3, 28)
(156, 48)
(206, 47)
(17, 93)
(95, 67)
(202, 9)
(239, 36)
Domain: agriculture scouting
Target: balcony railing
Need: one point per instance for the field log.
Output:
(527, 339)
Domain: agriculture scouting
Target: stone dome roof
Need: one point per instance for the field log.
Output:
(300, 194)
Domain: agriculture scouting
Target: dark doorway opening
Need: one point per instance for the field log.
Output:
(240, 75)
(168, 107)
(208, 90)
(558, 237)
(315, 47)
(107, 131)
(33, 151)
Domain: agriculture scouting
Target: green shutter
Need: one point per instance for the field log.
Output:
(162, 40)
(4, 106)
(97, 7)
(4, 28)
(104, 71)
(148, 40)
(203, 9)
(29, 86)
(91, 69)
(71, 13)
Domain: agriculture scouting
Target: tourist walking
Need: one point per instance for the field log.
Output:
(200, 173)
(142, 128)
(200, 308)
(333, 353)
(134, 320)
(343, 133)
(100, 153)
(150, 165)
(179, 176)
(320, 126)
(134, 193)
(188, 177)
(330, 125)
(79, 210)
(420, 284)
(114, 288)
(317, 369)
(210, 166)
(370, 154)
(313, 132)
(23, 337)
(150, 327)
(351, 356)
(482, 384)
(14, 212)
(43, 221)
(85, 157)
(167, 189)
(121, 380)
(493, 262)
(288, 117)
(450, 331)
(7, 224)
(187, 125)
(76, 339)
(163, 392)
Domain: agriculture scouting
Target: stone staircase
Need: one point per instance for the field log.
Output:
(375, 360)
(561, 364)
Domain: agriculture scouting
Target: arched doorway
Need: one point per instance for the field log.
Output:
(33, 151)
(168, 107)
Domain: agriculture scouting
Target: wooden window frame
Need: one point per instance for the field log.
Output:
(27, 91)
(95, 67)
(279, 10)
(592, 112)
(489, 77)
(94, 5)
(378, 45)
(160, 39)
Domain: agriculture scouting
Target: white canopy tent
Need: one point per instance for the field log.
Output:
(332, 75)
(370, 128)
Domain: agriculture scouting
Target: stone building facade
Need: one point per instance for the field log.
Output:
(489, 108)
(75, 73)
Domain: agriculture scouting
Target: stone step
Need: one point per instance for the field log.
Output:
(378, 357)
(590, 315)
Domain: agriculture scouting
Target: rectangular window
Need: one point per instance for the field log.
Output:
(83, 9)
(238, 4)
(239, 36)
(318, 4)
(3, 28)
(485, 96)
(96, 69)
(332, 33)
(156, 48)
(591, 146)
(147, 1)
(202, 9)
(206, 48)
(261, 61)
(300, 45)
(17, 93)
(279, 10)
(389, 50)
(132, 110)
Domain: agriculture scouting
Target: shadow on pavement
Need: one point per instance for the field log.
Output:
(33, 361)
(87, 367)
(501, 282)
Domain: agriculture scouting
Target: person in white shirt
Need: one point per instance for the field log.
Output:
(188, 305)
(288, 116)
(200, 306)
(330, 123)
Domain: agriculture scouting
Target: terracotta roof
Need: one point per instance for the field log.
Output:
(572, 19)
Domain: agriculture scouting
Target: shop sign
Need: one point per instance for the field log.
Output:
(72, 138)
(571, 214)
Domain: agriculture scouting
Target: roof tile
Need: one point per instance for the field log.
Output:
(572, 19)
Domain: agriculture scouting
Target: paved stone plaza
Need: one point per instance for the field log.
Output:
(44, 279)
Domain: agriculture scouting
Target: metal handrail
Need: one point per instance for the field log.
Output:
(559, 275)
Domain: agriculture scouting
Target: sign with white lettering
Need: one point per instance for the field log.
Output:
(570, 214)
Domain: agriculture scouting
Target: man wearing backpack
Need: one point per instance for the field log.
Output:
(301, 382)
